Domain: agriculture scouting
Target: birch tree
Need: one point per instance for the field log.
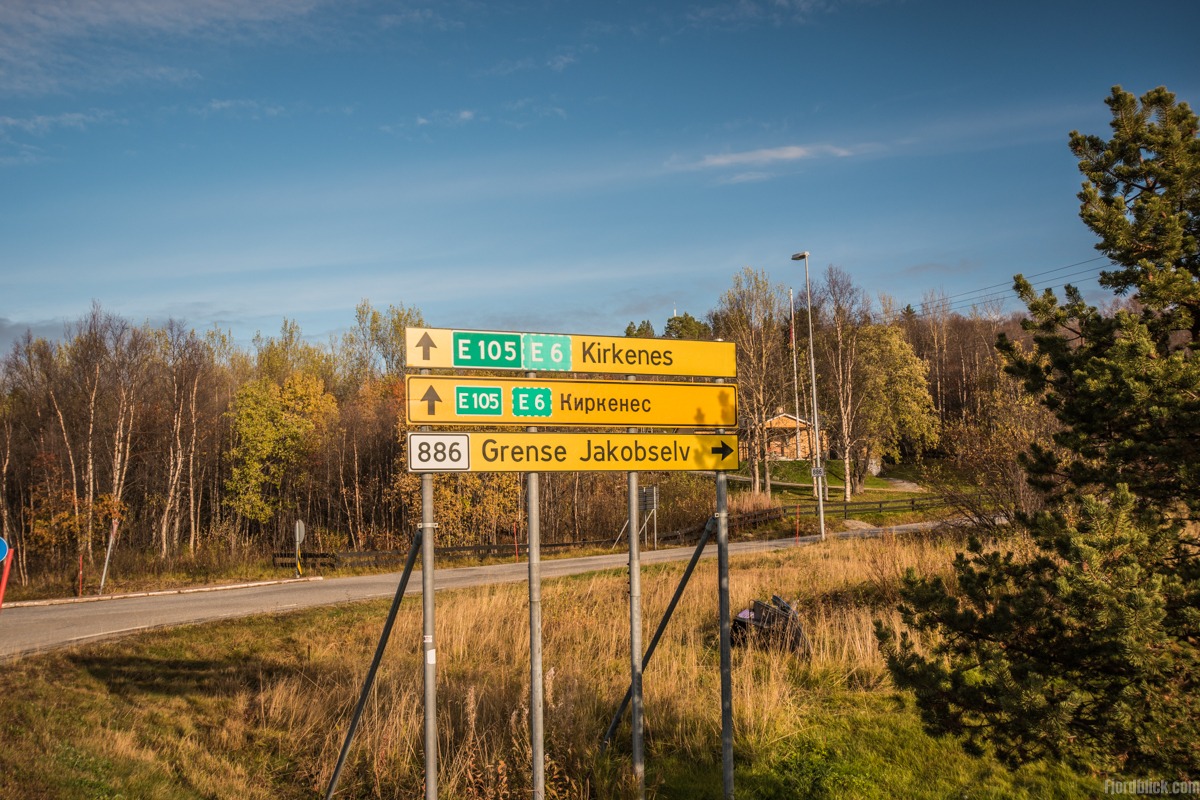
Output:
(753, 313)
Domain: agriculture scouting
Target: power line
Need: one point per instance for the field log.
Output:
(1003, 291)
(1062, 280)
(1034, 275)
(983, 296)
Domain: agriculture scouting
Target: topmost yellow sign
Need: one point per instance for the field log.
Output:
(445, 348)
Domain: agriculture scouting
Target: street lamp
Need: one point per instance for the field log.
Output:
(795, 374)
(817, 470)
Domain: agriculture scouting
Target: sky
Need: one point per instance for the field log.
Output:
(547, 166)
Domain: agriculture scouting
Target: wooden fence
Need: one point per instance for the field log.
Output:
(846, 510)
(737, 522)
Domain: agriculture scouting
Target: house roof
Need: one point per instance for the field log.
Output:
(784, 420)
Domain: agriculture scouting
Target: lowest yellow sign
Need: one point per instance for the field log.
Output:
(445, 348)
(452, 400)
(570, 452)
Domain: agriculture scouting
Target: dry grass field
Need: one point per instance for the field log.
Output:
(258, 708)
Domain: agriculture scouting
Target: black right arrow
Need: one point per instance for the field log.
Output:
(426, 344)
(724, 450)
(431, 397)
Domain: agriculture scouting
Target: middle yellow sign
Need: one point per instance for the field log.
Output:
(452, 400)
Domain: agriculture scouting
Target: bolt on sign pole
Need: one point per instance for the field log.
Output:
(635, 633)
(427, 641)
(536, 688)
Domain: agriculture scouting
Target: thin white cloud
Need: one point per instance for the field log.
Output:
(769, 155)
(19, 134)
(440, 118)
(510, 67)
(558, 61)
(748, 177)
(15, 154)
(49, 45)
(741, 13)
(252, 109)
(64, 19)
(419, 18)
(41, 124)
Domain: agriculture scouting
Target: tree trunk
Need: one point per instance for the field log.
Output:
(4, 524)
(90, 480)
(62, 425)
(174, 467)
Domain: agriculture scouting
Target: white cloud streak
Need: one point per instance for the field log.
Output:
(772, 155)
(42, 124)
(745, 13)
(49, 45)
(752, 162)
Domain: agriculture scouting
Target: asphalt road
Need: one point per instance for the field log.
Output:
(28, 628)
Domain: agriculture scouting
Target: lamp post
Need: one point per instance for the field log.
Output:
(795, 374)
(818, 469)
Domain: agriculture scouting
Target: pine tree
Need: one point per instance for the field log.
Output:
(1088, 650)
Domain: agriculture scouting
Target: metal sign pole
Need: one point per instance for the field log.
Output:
(635, 633)
(536, 689)
(428, 645)
(725, 635)
(726, 645)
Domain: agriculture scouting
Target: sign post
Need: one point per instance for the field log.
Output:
(428, 643)
(637, 727)
(536, 682)
(534, 404)
(299, 539)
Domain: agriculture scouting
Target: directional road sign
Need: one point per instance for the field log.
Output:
(444, 348)
(570, 452)
(453, 400)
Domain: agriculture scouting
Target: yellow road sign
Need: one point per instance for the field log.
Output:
(453, 400)
(445, 348)
(570, 452)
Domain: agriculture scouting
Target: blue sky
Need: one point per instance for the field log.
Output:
(555, 166)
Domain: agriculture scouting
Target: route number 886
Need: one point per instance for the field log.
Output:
(438, 452)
